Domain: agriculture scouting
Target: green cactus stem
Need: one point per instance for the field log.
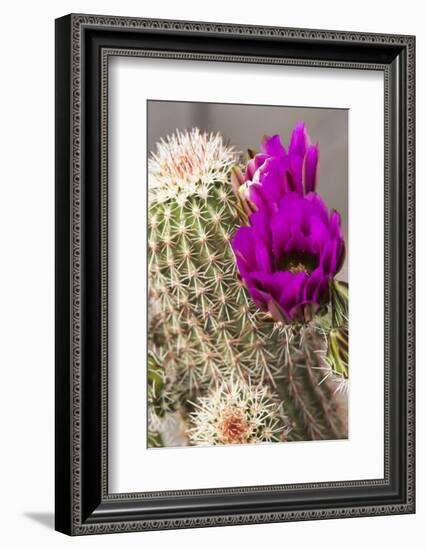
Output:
(338, 351)
(316, 401)
(339, 291)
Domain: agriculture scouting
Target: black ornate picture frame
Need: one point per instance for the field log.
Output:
(84, 43)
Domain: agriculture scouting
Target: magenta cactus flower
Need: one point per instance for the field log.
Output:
(275, 171)
(287, 256)
(291, 247)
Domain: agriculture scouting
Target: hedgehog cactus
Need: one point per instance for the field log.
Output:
(204, 329)
(204, 326)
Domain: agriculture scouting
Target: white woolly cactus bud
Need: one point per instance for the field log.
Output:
(237, 413)
(187, 163)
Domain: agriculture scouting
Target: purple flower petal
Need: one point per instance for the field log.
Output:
(318, 207)
(263, 262)
(310, 169)
(292, 292)
(271, 145)
(341, 254)
(260, 222)
(318, 236)
(329, 258)
(258, 197)
(295, 173)
(244, 248)
(299, 140)
(253, 165)
(260, 297)
(335, 224)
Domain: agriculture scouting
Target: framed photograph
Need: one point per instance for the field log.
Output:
(234, 274)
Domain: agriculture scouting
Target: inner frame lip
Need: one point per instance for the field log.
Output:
(107, 53)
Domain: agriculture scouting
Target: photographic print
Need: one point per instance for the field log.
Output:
(247, 275)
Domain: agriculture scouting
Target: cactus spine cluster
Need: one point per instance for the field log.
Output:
(204, 330)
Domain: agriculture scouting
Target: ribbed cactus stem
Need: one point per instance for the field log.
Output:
(206, 327)
(311, 393)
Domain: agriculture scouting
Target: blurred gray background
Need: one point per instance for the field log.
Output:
(244, 126)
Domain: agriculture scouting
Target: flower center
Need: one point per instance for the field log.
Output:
(297, 262)
(234, 428)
